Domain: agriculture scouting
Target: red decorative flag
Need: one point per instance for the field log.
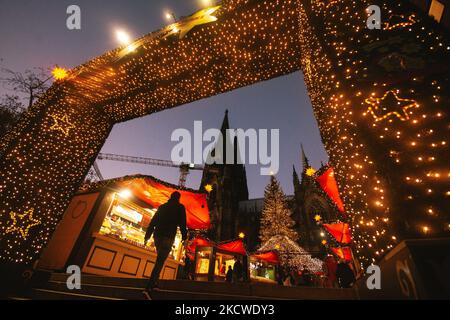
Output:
(156, 193)
(340, 231)
(270, 257)
(343, 253)
(236, 246)
(329, 185)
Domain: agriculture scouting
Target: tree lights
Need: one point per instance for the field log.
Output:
(379, 97)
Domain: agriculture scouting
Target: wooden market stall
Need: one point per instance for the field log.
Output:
(103, 229)
(212, 260)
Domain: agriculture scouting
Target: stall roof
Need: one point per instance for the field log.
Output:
(270, 257)
(233, 246)
(156, 192)
(199, 241)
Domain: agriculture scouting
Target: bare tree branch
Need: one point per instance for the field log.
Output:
(31, 84)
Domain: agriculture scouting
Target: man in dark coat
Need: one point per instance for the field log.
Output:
(163, 227)
(229, 275)
(238, 270)
(345, 275)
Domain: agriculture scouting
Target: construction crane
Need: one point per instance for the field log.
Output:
(184, 168)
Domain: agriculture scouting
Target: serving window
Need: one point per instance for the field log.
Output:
(223, 262)
(203, 257)
(128, 222)
(262, 270)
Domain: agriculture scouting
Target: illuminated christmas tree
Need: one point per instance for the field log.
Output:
(276, 216)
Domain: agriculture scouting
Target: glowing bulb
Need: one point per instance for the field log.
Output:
(125, 194)
(206, 3)
(123, 37)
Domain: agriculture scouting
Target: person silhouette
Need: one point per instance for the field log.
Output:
(163, 227)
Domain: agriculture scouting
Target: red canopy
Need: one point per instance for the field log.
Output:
(236, 246)
(340, 231)
(343, 253)
(329, 185)
(156, 193)
(270, 257)
(199, 241)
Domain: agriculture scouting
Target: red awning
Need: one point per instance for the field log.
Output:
(199, 241)
(329, 185)
(232, 247)
(340, 231)
(270, 257)
(236, 246)
(156, 193)
(343, 253)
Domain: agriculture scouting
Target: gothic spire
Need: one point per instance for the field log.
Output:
(305, 161)
(296, 179)
(225, 123)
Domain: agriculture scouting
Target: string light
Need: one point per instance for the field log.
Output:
(46, 156)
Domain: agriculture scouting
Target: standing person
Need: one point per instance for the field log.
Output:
(345, 275)
(237, 270)
(306, 275)
(280, 276)
(163, 227)
(187, 268)
(229, 276)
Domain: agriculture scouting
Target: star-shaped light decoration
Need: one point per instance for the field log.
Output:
(399, 21)
(22, 223)
(310, 171)
(390, 105)
(62, 124)
(318, 218)
(208, 188)
(184, 26)
(324, 242)
(59, 73)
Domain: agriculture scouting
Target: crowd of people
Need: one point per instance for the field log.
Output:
(337, 274)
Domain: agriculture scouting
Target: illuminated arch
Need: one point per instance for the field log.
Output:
(45, 158)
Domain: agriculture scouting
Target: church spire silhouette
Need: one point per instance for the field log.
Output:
(305, 161)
